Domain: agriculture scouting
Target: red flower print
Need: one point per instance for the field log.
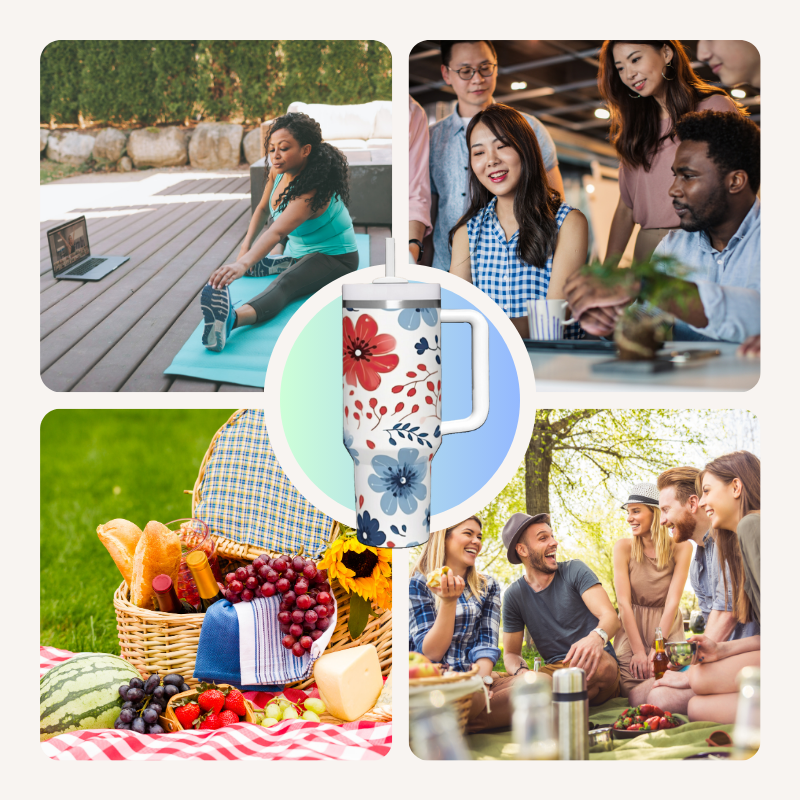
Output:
(365, 353)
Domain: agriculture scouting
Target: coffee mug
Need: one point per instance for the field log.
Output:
(547, 319)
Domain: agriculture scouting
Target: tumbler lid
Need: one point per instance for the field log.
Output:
(569, 681)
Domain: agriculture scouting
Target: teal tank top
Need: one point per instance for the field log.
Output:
(330, 233)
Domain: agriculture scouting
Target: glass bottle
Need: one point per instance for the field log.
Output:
(532, 719)
(660, 659)
(747, 730)
(204, 579)
(435, 735)
(167, 597)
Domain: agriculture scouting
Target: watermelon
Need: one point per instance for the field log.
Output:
(82, 693)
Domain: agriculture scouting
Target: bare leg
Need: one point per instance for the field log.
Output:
(669, 699)
(719, 677)
(713, 708)
(601, 687)
(245, 315)
(639, 693)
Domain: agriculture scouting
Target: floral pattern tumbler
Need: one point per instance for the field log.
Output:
(391, 377)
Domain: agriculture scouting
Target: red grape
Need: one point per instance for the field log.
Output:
(284, 617)
(284, 606)
(268, 589)
(316, 633)
(323, 598)
(272, 576)
(306, 642)
(324, 586)
(290, 575)
(263, 572)
(296, 630)
(247, 595)
(282, 585)
(259, 562)
(289, 597)
(323, 624)
(331, 609)
(279, 565)
(322, 611)
(257, 592)
(301, 587)
(298, 616)
(298, 562)
(311, 616)
(288, 641)
(229, 595)
(310, 571)
(237, 586)
(250, 570)
(321, 576)
(230, 577)
(298, 650)
(285, 628)
(241, 574)
(251, 583)
(304, 602)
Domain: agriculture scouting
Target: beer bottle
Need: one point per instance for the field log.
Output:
(660, 660)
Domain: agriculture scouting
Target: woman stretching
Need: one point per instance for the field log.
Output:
(649, 86)
(306, 196)
(454, 618)
(650, 572)
(730, 492)
(517, 241)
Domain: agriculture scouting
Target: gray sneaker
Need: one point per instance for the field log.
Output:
(218, 315)
(269, 265)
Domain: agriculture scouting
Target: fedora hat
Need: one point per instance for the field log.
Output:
(514, 528)
(645, 494)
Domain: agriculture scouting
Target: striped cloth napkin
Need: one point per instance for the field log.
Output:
(263, 660)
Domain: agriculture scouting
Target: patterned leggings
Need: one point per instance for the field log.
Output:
(305, 276)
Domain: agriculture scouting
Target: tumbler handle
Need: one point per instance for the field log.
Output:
(480, 370)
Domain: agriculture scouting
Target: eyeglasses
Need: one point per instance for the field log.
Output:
(466, 73)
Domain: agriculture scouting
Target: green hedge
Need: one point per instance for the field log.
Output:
(171, 81)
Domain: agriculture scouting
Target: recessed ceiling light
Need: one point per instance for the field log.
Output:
(517, 85)
(602, 113)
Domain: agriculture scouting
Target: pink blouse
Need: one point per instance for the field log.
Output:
(647, 193)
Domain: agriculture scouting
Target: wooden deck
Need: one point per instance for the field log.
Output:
(122, 332)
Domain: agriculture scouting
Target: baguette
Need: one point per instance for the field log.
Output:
(120, 538)
(157, 553)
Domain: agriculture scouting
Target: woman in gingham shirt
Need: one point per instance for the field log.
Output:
(458, 623)
(517, 241)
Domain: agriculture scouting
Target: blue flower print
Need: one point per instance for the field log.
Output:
(410, 318)
(401, 481)
(367, 532)
(348, 443)
(428, 518)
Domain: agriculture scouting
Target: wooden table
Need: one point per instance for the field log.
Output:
(122, 332)
(559, 371)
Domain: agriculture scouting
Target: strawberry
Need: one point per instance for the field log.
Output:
(235, 702)
(212, 700)
(187, 714)
(212, 721)
(228, 717)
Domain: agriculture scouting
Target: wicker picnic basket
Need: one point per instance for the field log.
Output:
(156, 642)
(461, 706)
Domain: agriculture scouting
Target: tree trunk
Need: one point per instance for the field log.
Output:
(538, 461)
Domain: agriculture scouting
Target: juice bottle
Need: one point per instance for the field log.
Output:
(660, 660)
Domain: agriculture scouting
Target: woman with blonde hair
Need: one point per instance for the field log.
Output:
(650, 572)
(454, 616)
(729, 489)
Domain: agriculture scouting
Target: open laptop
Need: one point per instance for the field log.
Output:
(71, 256)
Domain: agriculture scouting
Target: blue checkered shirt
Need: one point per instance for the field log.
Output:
(477, 626)
(450, 175)
(499, 271)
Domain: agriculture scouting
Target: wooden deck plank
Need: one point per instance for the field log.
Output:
(117, 366)
(242, 185)
(219, 186)
(174, 189)
(134, 238)
(377, 245)
(91, 330)
(196, 187)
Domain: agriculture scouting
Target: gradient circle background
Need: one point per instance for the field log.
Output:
(311, 409)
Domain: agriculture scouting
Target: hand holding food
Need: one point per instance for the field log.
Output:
(450, 587)
(435, 577)
(707, 649)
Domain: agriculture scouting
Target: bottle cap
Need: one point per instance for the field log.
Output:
(202, 574)
(162, 584)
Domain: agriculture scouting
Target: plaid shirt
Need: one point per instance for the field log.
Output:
(499, 271)
(477, 626)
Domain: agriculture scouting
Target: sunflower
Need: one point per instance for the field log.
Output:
(365, 571)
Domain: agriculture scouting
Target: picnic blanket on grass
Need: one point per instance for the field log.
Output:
(247, 352)
(676, 743)
(293, 740)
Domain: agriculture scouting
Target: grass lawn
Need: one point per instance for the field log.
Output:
(99, 465)
(53, 171)
(528, 653)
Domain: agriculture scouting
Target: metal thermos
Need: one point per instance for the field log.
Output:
(571, 711)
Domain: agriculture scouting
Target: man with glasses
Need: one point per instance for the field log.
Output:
(470, 67)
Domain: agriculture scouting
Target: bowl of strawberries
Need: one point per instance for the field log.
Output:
(207, 707)
(645, 718)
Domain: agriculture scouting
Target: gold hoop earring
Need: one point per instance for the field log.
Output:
(668, 65)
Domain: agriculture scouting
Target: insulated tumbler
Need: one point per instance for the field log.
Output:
(571, 707)
(392, 385)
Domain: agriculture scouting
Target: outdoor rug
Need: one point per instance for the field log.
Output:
(676, 743)
(247, 352)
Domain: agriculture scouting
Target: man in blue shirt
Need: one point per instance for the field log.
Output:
(680, 511)
(717, 175)
(470, 68)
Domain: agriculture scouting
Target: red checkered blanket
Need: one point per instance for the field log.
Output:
(295, 740)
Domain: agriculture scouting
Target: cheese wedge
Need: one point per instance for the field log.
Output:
(349, 681)
(435, 578)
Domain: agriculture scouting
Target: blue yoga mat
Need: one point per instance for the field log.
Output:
(247, 352)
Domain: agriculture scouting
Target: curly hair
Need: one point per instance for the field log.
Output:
(535, 202)
(734, 142)
(325, 170)
(636, 121)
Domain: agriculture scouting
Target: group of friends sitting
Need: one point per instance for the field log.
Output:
(455, 619)
(689, 176)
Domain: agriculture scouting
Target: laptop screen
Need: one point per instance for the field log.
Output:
(69, 243)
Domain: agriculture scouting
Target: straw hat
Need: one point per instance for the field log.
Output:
(645, 494)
